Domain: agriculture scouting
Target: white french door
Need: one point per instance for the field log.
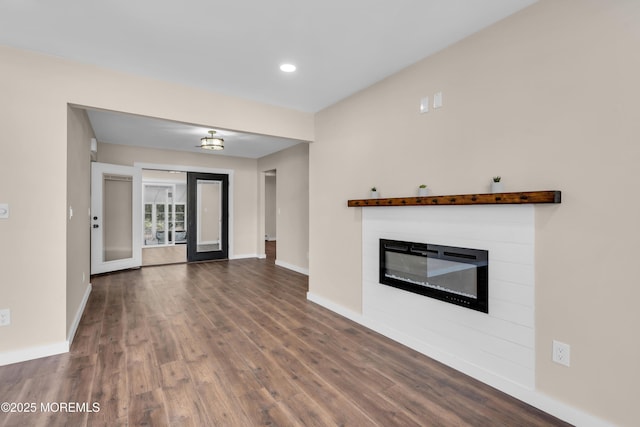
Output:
(116, 217)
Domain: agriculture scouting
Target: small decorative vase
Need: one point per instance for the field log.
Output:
(423, 192)
(374, 194)
(497, 187)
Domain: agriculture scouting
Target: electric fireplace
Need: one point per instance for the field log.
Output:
(455, 275)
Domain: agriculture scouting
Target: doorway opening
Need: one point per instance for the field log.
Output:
(270, 214)
(164, 195)
(185, 216)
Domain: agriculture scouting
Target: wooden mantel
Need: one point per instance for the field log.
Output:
(517, 198)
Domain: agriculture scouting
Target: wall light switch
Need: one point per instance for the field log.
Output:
(4, 211)
(5, 317)
(424, 105)
(437, 100)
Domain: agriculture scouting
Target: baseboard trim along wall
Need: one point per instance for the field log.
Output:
(38, 352)
(76, 321)
(532, 397)
(292, 267)
(31, 353)
(244, 256)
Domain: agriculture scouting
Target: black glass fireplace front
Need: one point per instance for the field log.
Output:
(456, 275)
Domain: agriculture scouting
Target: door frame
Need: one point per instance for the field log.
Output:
(190, 168)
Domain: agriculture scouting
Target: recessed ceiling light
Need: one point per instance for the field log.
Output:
(288, 68)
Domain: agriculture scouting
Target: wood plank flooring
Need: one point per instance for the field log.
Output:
(236, 343)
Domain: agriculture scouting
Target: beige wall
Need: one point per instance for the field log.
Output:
(79, 134)
(545, 98)
(292, 205)
(548, 100)
(245, 191)
(36, 90)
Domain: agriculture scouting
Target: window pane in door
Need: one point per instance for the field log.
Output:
(148, 223)
(209, 211)
(117, 221)
(160, 224)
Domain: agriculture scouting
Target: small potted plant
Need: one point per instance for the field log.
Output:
(423, 190)
(374, 193)
(496, 185)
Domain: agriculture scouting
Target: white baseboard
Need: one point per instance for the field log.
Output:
(76, 321)
(342, 311)
(534, 398)
(292, 267)
(263, 256)
(244, 256)
(270, 239)
(30, 353)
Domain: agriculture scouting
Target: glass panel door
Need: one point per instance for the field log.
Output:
(148, 224)
(161, 224)
(207, 216)
(115, 217)
(180, 223)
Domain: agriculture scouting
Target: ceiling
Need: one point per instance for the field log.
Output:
(236, 47)
(128, 129)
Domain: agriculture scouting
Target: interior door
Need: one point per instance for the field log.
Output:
(116, 217)
(207, 216)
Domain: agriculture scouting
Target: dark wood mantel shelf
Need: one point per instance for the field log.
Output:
(464, 199)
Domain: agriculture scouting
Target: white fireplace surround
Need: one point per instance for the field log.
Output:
(499, 344)
(496, 348)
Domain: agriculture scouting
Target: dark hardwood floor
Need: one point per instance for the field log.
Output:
(270, 250)
(236, 343)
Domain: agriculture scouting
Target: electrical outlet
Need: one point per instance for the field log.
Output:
(561, 353)
(5, 317)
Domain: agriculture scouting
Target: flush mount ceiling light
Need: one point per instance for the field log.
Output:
(211, 142)
(288, 68)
